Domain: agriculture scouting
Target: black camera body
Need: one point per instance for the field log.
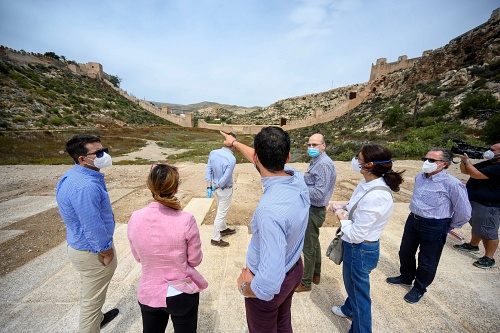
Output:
(473, 152)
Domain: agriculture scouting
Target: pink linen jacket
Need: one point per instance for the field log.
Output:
(167, 244)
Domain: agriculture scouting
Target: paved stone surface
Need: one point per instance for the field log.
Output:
(22, 207)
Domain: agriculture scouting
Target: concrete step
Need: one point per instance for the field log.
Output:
(42, 296)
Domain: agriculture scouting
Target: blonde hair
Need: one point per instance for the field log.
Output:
(163, 181)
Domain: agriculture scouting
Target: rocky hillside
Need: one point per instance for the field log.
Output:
(452, 93)
(39, 93)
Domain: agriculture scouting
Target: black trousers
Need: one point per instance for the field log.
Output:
(184, 311)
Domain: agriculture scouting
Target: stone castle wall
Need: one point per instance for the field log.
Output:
(185, 120)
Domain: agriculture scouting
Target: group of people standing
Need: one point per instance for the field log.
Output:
(285, 228)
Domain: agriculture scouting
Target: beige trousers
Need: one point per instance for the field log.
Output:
(94, 282)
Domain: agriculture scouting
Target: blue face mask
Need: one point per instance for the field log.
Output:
(313, 152)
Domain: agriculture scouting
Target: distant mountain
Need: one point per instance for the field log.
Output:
(196, 108)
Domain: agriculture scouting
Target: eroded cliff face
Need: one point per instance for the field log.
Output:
(449, 65)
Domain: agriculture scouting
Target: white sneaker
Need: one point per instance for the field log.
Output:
(338, 312)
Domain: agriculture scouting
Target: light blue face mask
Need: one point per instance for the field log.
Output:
(313, 152)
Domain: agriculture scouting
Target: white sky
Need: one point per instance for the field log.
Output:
(242, 52)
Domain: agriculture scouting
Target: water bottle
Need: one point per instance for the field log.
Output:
(209, 192)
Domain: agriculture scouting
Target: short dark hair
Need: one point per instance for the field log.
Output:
(76, 145)
(272, 146)
(232, 134)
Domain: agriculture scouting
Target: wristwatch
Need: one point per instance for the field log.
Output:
(466, 161)
(243, 287)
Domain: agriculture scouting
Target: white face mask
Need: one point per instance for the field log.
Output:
(489, 155)
(429, 167)
(355, 166)
(102, 162)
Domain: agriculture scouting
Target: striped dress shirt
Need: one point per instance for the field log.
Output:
(83, 201)
(278, 227)
(320, 179)
(441, 196)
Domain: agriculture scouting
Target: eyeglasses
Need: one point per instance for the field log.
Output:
(432, 160)
(99, 153)
(314, 144)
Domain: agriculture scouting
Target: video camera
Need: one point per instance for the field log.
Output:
(473, 152)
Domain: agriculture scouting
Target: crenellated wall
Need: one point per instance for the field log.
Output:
(382, 67)
(184, 120)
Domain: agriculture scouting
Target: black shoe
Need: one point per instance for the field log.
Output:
(227, 231)
(109, 316)
(398, 280)
(413, 296)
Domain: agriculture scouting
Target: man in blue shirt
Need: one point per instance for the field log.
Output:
(274, 268)
(219, 175)
(320, 180)
(439, 203)
(85, 208)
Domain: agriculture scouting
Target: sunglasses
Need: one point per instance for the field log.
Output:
(432, 160)
(99, 153)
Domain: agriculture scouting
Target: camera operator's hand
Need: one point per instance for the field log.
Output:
(464, 158)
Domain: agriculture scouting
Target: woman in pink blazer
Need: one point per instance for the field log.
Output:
(166, 241)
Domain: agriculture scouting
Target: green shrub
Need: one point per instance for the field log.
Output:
(476, 102)
(19, 119)
(392, 116)
(491, 131)
(56, 121)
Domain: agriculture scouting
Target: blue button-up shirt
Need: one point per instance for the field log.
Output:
(441, 196)
(278, 227)
(84, 205)
(320, 180)
(220, 167)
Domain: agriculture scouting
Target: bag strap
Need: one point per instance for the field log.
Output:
(375, 188)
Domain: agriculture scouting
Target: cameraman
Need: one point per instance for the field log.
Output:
(483, 188)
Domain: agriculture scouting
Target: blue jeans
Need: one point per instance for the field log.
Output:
(430, 236)
(359, 261)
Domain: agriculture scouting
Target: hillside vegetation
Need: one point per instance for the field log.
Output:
(452, 93)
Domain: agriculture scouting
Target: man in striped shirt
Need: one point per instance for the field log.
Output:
(274, 267)
(320, 180)
(439, 203)
(84, 205)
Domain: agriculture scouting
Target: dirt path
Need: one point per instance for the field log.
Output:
(151, 152)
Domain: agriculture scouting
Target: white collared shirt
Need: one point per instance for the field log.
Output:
(371, 215)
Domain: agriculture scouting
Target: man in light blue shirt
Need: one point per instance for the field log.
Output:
(84, 205)
(320, 180)
(274, 268)
(219, 175)
(439, 203)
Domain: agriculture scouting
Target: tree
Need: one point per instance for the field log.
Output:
(392, 116)
(491, 131)
(115, 80)
(51, 55)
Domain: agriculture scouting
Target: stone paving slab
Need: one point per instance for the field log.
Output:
(199, 208)
(5, 235)
(22, 207)
(42, 296)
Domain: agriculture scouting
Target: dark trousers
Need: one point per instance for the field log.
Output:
(274, 315)
(430, 235)
(184, 311)
(312, 248)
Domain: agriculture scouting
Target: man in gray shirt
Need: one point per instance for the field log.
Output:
(320, 180)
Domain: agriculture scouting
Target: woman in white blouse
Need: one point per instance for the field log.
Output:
(368, 212)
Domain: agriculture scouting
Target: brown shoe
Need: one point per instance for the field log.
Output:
(301, 288)
(316, 279)
(227, 231)
(220, 243)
